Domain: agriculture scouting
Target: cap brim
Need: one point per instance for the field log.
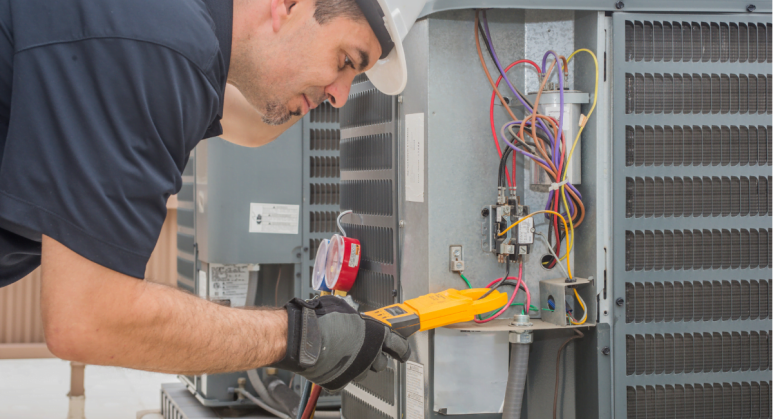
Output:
(390, 74)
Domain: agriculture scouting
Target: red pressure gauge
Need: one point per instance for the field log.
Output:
(343, 263)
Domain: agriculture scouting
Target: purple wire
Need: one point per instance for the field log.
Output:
(560, 95)
(504, 75)
(511, 145)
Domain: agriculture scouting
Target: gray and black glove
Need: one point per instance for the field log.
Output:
(331, 344)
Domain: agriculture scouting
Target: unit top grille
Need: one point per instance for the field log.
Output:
(743, 42)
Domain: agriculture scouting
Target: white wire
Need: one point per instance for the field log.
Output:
(338, 221)
(552, 253)
(262, 404)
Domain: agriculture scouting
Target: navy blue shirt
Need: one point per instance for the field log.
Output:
(101, 103)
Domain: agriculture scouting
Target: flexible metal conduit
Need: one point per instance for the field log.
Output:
(516, 380)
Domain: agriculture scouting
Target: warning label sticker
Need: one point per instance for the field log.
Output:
(414, 390)
(229, 283)
(354, 257)
(274, 218)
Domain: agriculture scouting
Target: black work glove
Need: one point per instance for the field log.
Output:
(331, 344)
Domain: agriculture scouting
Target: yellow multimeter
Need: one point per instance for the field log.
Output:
(438, 309)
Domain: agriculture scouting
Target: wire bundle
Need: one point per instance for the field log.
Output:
(547, 146)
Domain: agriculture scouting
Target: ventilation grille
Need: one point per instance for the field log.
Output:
(373, 290)
(354, 408)
(325, 194)
(322, 221)
(717, 400)
(698, 146)
(313, 246)
(324, 139)
(376, 242)
(324, 113)
(372, 152)
(380, 384)
(322, 167)
(698, 301)
(695, 353)
(697, 197)
(697, 42)
(372, 197)
(366, 108)
(697, 93)
(697, 249)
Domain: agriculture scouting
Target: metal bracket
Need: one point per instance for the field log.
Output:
(561, 292)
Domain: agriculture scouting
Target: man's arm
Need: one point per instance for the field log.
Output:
(95, 315)
(243, 125)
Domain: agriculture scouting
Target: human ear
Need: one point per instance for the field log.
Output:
(280, 12)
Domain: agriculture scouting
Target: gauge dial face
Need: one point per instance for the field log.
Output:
(318, 276)
(335, 257)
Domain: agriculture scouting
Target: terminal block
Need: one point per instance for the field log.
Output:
(496, 219)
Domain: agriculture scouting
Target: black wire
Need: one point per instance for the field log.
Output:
(502, 180)
(579, 335)
(507, 274)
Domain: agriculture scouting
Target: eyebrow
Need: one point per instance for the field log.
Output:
(364, 60)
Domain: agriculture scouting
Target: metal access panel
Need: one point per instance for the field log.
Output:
(692, 215)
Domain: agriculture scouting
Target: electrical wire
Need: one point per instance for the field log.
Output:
(550, 249)
(304, 399)
(261, 404)
(584, 309)
(465, 280)
(568, 264)
(515, 292)
(312, 404)
(579, 335)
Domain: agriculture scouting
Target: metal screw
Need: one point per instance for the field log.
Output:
(297, 255)
(457, 252)
(750, 8)
(620, 302)
(305, 249)
(619, 5)
(402, 223)
(484, 212)
(298, 275)
(532, 230)
(394, 293)
(605, 350)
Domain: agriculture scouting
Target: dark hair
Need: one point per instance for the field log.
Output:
(327, 10)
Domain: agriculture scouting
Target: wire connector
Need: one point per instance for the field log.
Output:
(556, 186)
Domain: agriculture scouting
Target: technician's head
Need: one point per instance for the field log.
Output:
(291, 55)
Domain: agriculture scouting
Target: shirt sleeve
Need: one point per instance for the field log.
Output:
(99, 134)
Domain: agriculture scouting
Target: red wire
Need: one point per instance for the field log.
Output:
(512, 298)
(511, 183)
(311, 405)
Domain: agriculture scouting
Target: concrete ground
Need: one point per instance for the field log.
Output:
(37, 389)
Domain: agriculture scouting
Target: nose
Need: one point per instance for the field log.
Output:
(338, 91)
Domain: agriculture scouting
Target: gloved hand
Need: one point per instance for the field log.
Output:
(330, 344)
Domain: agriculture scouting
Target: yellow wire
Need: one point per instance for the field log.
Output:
(576, 140)
(568, 265)
(584, 310)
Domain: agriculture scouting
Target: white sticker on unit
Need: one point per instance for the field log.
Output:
(414, 157)
(201, 285)
(525, 231)
(414, 390)
(354, 257)
(229, 282)
(274, 218)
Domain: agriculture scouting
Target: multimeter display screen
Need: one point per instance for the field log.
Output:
(395, 311)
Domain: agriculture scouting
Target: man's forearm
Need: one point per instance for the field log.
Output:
(101, 317)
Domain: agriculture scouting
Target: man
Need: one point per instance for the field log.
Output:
(101, 102)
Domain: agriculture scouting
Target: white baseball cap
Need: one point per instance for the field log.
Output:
(390, 20)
